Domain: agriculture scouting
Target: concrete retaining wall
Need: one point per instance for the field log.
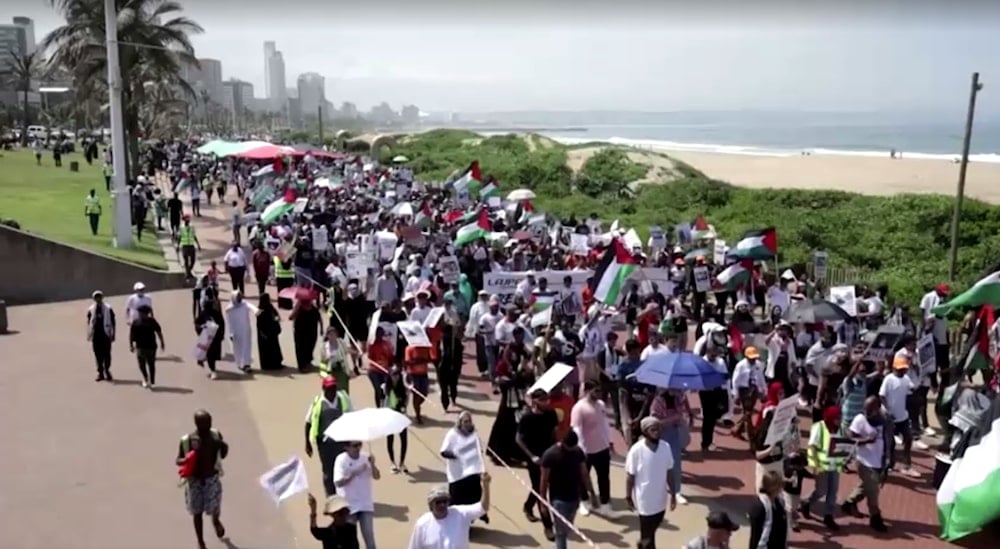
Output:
(37, 270)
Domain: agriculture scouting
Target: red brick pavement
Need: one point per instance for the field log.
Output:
(724, 479)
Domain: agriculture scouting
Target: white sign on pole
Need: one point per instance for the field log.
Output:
(702, 280)
(358, 263)
(926, 357)
(845, 298)
(781, 420)
(657, 240)
(552, 377)
(719, 252)
(414, 333)
(578, 244)
(819, 265)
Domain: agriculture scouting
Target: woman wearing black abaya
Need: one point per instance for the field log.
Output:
(307, 325)
(513, 387)
(268, 332)
(211, 312)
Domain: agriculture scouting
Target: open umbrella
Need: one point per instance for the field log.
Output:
(400, 159)
(694, 254)
(815, 310)
(366, 425)
(682, 371)
(520, 195)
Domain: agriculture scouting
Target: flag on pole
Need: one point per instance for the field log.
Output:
(424, 216)
(734, 276)
(760, 244)
(701, 230)
(489, 190)
(615, 268)
(470, 181)
(984, 292)
(474, 231)
(285, 480)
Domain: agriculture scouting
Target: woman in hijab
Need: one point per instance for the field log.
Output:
(513, 386)
(268, 330)
(337, 358)
(770, 457)
(211, 312)
(461, 448)
(307, 324)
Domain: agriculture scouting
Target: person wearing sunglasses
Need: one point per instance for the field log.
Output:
(444, 521)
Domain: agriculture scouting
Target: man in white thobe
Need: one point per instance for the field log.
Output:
(238, 316)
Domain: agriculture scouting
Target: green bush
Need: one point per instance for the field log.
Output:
(902, 239)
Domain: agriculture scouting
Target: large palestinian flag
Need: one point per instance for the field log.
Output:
(984, 292)
(759, 245)
(734, 276)
(969, 496)
(473, 231)
(615, 268)
(470, 181)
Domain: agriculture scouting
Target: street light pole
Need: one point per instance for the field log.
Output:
(960, 194)
(120, 198)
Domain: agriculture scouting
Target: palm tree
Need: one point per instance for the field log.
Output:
(153, 46)
(24, 69)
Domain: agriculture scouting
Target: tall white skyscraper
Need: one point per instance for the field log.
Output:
(274, 77)
(29, 32)
(312, 92)
(269, 51)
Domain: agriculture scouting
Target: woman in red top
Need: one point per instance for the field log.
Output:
(380, 361)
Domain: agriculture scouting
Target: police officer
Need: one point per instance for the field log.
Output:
(188, 242)
(92, 209)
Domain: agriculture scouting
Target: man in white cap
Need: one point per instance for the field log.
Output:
(648, 486)
(445, 523)
(136, 300)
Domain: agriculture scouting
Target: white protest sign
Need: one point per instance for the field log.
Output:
(433, 317)
(208, 331)
(647, 276)
(552, 377)
(578, 244)
(449, 269)
(505, 283)
(702, 279)
(781, 420)
(819, 265)
(657, 240)
(320, 239)
(358, 263)
(845, 298)
(386, 243)
(468, 454)
(414, 333)
(926, 357)
(631, 240)
(719, 252)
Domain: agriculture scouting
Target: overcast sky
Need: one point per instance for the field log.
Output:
(615, 55)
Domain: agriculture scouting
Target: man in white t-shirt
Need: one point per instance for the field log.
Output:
(938, 326)
(135, 301)
(896, 387)
(353, 474)
(647, 480)
(447, 526)
(868, 431)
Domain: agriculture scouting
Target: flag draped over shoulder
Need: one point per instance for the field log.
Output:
(610, 276)
(984, 292)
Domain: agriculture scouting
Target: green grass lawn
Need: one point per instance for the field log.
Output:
(49, 201)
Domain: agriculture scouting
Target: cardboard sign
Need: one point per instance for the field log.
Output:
(781, 420)
(702, 280)
(414, 333)
(884, 342)
(359, 263)
(819, 265)
(578, 244)
(657, 239)
(719, 252)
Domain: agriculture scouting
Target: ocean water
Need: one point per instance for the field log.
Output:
(788, 134)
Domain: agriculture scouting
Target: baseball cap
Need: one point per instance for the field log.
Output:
(329, 382)
(717, 520)
(943, 289)
(900, 363)
(751, 353)
(138, 286)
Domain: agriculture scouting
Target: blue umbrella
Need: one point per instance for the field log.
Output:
(683, 371)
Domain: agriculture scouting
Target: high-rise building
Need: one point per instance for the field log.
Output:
(12, 39)
(238, 95)
(276, 95)
(312, 93)
(206, 78)
(29, 32)
(269, 51)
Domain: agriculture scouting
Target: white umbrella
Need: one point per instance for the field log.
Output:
(520, 194)
(400, 159)
(366, 425)
(403, 209)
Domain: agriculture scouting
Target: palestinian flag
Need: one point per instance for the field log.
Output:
(967, 499)
(541, 301)
(734, 276)
(758, 244)
(474, 231)
(424, 216)
(470, 181)
(701, 230)
(278, 208)
(488, 191)
(978, 356)
(615, 268)
(984, 292)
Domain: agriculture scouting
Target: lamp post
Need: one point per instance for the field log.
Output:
(120, 199)
(960, 193)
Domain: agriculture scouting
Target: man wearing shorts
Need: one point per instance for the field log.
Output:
(418, 362)
(200, 456)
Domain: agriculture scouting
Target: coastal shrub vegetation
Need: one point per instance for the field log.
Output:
(901, 240)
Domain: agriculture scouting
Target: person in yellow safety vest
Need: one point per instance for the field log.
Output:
(188, 242)
(284, 277)
(202, 486)
(92, 210)
(825, 465)
(324, 410)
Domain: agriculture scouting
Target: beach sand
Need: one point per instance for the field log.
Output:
(865, 175)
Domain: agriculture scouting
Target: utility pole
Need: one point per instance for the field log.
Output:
(120, 199)
(960, 194)
(319, 111)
